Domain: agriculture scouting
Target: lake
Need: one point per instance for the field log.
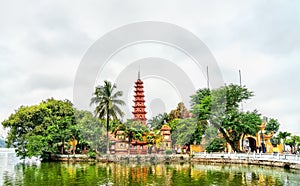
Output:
(13, 172)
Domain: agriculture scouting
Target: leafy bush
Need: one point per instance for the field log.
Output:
(217, 145)
(92, 153)
(168, 152)
(275, 140)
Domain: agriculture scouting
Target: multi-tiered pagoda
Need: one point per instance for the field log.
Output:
(121, 143)
(139, 102)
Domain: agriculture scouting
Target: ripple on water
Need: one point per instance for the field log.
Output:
(14, 173)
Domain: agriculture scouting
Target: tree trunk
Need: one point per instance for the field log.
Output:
(107, 129)
(228, 140)
(63, 146)
(243, 136)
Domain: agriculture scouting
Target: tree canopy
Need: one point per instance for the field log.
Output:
(220, 108)
(39, 130)
(158, 121)
(272, 126)
(91, 130)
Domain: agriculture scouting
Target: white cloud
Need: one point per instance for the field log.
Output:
(42, 43)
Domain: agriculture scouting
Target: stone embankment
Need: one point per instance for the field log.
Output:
(155, 158)
(287, 161)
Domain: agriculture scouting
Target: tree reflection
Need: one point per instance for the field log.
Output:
(147, 174)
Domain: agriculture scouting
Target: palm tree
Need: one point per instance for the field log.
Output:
(106, 100)
(283, 136)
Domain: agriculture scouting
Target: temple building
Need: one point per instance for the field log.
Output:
(261, 142)
(139, 114)
(120, 142)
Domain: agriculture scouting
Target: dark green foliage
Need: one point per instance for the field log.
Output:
(40, 130)
(47, 128)
(169, 152)
(134, 130)
(293, 142)
(201, 104)
(284, 135)
(188, 131)
(91, 153)
(91, 130)
(275, 140)
(221, 108)
(217, 145)
(272, 126)
(158, 121)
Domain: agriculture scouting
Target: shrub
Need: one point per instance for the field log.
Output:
(217, 145)
(168, 151)
(92, 154)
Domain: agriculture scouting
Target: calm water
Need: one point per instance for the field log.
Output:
(13, 173)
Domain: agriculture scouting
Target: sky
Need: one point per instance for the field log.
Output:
(42, 44)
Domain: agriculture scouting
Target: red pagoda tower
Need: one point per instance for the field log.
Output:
(139, 102)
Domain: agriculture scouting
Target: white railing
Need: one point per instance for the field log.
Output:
(7, 150)
(251, 156)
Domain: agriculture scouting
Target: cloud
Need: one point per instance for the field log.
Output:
(270, 27)
(42, 43)
(48, 82)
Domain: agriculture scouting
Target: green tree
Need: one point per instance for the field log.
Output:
(221, 108)
(201, 104)
(283, 136)
(179, 113)
(272, 126)
(275, 140)
(249, 123)
(217, 145)
(39, 130)
(188, 131)
(173, 124)
(158, 121)
(133, 129)
(292, 142)
(107, 104)
(297, 140)
(91, 130)
(153, 138)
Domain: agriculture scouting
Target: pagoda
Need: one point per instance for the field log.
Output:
(139, 102)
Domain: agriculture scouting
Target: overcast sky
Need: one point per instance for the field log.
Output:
(42, 44)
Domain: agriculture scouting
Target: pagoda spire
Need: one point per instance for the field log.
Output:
(139, 73)
(139, 107)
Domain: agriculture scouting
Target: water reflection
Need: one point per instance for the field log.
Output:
(146, 174)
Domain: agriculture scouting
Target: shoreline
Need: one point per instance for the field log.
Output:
(178, 158)
(270, 163)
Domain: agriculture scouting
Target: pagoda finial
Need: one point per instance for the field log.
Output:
(139, 73)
